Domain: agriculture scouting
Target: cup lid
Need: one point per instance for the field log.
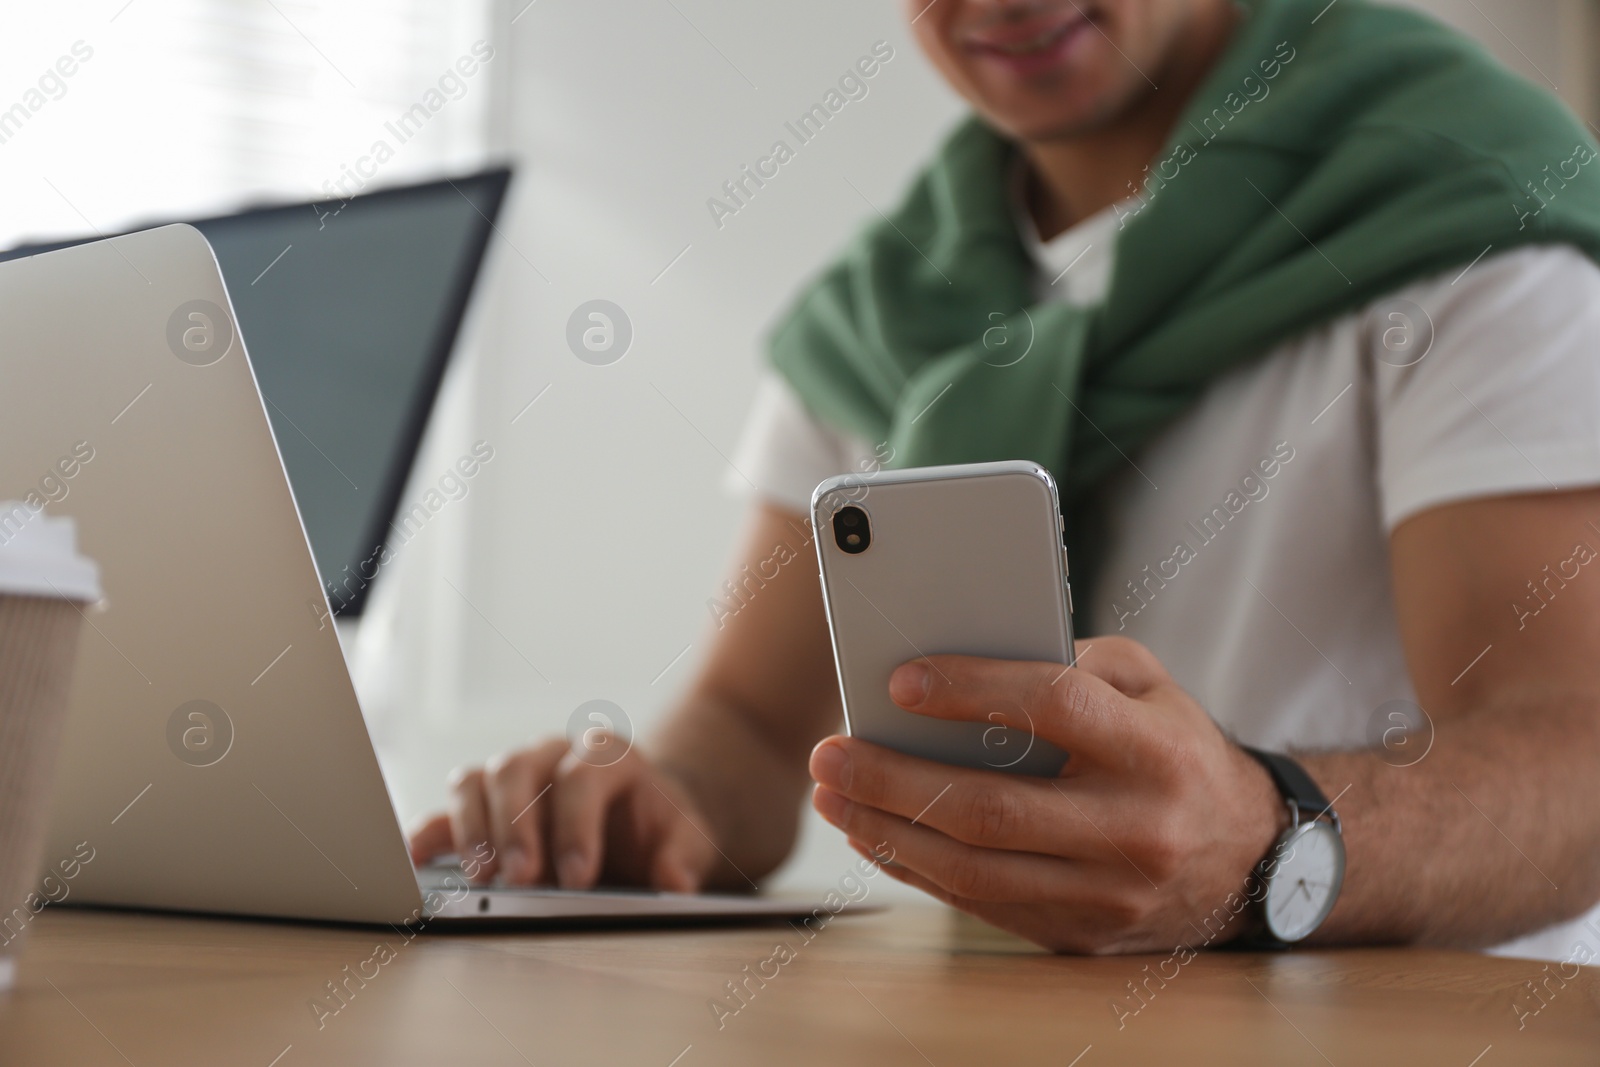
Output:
(39, 556)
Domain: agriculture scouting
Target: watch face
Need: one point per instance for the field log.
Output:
(1306, 882)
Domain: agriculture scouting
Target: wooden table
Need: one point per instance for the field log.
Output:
(916, 985)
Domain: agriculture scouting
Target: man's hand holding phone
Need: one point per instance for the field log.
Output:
(545, 816)
(1156, 817)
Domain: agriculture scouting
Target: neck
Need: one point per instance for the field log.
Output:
(1074, 176)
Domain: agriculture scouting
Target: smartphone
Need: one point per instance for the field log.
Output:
(961, 559)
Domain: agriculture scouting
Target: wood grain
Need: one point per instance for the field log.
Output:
(913, 986)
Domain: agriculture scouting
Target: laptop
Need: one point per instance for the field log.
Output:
(215, 758)
(352, 308)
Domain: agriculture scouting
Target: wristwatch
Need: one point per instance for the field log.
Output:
(1296, 884)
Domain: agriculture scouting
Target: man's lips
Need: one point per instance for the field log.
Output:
(1031, 46)
(1034, 34)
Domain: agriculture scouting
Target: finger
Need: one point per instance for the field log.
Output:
(915, 880)
(961, 869)
(1070, 707)
(516, 781)
(989, 809)
(469, 821)
(879, 855)
(907, 876)
(684, 856)
(583, 798)
(1123, 663)
(430, 838)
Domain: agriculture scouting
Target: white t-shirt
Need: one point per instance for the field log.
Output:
(1248, 543)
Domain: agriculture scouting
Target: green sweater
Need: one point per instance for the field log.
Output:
(1324, 162)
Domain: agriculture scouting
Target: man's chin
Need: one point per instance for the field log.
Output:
(1055, 127)
(1061, 120)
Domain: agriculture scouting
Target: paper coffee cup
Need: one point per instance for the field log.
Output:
(44, 586)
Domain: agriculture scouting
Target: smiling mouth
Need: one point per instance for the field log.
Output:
(1030, 36)
(1039, 42)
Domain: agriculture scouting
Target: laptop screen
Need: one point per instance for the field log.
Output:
(349, 310)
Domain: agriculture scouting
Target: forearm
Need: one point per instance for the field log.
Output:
(747, 784)
(1493, 834)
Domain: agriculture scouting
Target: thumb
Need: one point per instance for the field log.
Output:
(431, 838)
(683, 857)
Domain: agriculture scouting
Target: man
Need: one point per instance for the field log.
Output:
(1308, 309)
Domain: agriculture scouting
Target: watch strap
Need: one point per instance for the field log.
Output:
(1297, 787)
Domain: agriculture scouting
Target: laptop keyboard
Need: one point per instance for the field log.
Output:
(450, 879)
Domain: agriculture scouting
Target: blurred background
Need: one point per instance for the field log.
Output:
(579, 564)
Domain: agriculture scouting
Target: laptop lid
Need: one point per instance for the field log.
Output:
(352, 308)
(215, 758)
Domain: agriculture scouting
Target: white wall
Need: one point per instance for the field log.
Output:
(595, 536)
(587, 549)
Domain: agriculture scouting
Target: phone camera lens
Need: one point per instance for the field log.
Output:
(851, 531)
